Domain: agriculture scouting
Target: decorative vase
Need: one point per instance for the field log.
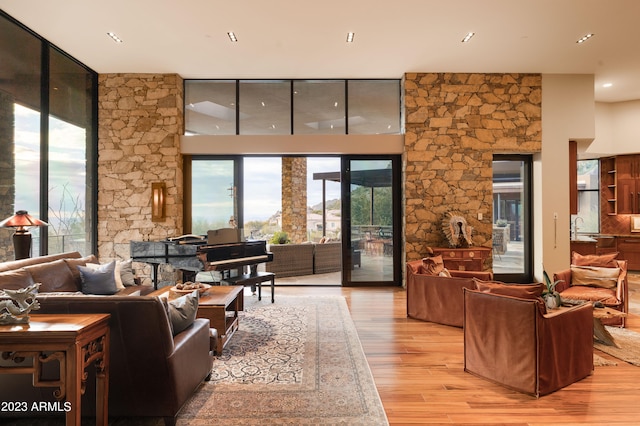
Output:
(552, 300)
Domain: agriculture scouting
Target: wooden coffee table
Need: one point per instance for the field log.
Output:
(220, 305)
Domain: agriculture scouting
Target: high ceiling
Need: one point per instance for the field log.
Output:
(303, 39)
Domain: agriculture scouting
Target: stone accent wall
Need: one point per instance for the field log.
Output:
(294, 198)
(7, 174)
(140, 121)
(454, 124)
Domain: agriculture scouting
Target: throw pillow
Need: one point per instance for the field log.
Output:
(594, 276)
(54, 276)
(182, 311)
(603, 260)
(116, 274)
(128, 278)
(445, 273)
(74, 262)
(433, 265)
(16, 279)
(100, 280)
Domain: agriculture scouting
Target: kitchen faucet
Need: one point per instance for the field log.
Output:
(575, 226)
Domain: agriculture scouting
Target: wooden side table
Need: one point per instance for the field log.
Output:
(463, 259)
(75, 341)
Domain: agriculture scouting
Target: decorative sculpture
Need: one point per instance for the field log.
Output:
(456, 230)
(15, 309)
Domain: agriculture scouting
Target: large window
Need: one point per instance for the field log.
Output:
(284, 107)
(48, 140)
(319, 107)
(210, 107)
(588, 217)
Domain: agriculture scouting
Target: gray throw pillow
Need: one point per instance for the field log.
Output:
(182, 311)
(100, 280)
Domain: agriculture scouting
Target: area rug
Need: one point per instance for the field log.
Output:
(599, 361)
(296, 362)
(628, 342)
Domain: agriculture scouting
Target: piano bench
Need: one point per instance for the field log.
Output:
(256, 278)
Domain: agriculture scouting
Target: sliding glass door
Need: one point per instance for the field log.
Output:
(512, 253)
(371, 243)
(353, 201)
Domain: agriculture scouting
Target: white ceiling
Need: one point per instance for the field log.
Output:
(303, 39)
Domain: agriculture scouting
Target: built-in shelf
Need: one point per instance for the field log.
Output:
(609, 185)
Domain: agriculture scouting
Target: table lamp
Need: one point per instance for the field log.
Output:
(22, 238)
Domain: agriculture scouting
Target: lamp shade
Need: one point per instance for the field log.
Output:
(22, 219)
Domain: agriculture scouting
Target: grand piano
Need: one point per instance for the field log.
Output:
(194, 254)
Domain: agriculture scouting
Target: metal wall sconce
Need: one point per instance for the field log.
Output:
(22, 238)
(158, 202)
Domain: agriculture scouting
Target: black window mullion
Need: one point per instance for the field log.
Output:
(291, 109)
(346, 107)
(44, 147)
(237, 107)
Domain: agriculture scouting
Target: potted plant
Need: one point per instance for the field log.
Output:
(551, 297)
(501, 223)
(280, 237)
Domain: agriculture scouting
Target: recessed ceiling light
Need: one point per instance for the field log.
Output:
(114, 37)
(350, 37)
(607, 85)
(468, 37)
(232, 36)
(585, 38)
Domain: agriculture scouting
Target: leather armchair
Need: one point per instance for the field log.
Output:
(438, 299)
(509, 341)
(616, 297)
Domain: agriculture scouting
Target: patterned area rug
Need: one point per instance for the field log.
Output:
(628, 342)
(297, 361)
(599, 361)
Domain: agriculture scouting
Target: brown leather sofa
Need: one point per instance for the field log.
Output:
(55, 272)
(438, 299)
(508, 340)
(152, 372)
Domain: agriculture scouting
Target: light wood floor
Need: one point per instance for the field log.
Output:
(418, 370)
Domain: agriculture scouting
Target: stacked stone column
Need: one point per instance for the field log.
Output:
(140, 123)
(294, 198)
(455, 123)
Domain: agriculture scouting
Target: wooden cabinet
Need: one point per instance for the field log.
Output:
(629, 249)
(606, 244)
(463, 259)
(628, 184)
(608, 186)
(583, 247)
(628, 196)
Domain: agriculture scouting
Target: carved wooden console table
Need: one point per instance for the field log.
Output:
(74, 341)
(463, 259)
